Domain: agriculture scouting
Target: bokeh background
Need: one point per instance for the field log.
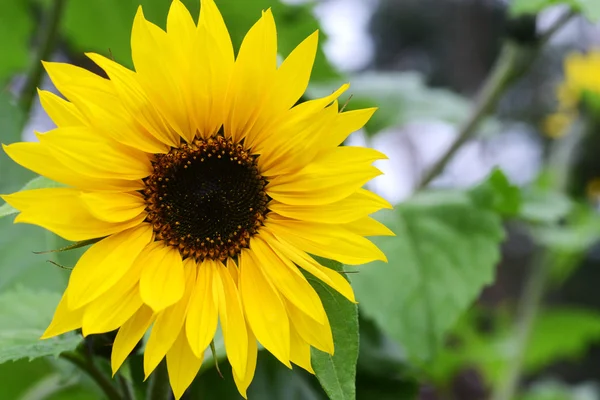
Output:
(422, 62)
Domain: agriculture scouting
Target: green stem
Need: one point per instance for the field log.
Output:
(528, 308)
(560, 162)
(514, 61)
(90, 368)
(48, 36)
(126, 388)
(159, 388)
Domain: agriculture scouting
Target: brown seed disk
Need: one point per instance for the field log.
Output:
(206, 198)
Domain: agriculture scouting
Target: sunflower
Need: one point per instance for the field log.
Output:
(207, 190)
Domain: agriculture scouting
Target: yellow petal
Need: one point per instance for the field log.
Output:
(264, 308)
(350, 160)
(64, 319)
(345, 124)
(332, 177)
(243, 382)
(135, 101)
(233, 323)
(180, 25)
(60, 111)
(37, 157)
(114, 207)
(315, 334)
(367, 226)
(252, 78)
(287, 279)
(233, 270)
(215, 57)
(181, 38)
(297, 135)
(162, 282)
(152, 56)
(111, 310)
(211, 19)
(169, 323)
(91, 93)
(294, 73)
(326, 240)
(129, 336)
(354, 207)
(201, 321)
(332, 278)
(105, 263)
(182, 364)
(62, 211)
(300, 351)
(84, 151)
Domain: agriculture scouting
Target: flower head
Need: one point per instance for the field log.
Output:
(208, 189)
(582, 76)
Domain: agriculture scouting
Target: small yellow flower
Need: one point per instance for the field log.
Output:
(209, 189)
(582, 74)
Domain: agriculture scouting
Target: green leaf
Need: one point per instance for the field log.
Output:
(337, 373)
(36, 183)
(444, 253)
(589, 8)
(557, 335)
(16, 27)
(550, 389)
(541, 206)
(24, 315)
(498, 194)
(560, 334)
(12, 175)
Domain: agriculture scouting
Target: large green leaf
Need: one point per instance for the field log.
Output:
(444, 253)
(16, 26)
(104, 26)
(24, 315)
(337, 373)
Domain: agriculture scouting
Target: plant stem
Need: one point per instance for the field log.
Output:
(90, 368)
(126, 388)
(48, 36)
(514, 61)
(159, 388)
(560, 163)
(528, 308)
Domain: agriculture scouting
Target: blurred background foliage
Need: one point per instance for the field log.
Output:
(491, 286)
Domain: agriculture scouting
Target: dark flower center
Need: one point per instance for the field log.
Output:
(206, 198)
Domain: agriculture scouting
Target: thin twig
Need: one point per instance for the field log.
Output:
(558, 25)
(90, 368)
(48, 37)
(514, 61)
